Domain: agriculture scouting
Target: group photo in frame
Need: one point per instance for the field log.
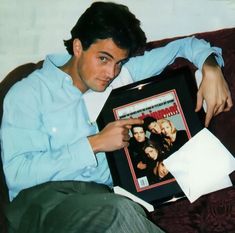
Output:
(166, 104)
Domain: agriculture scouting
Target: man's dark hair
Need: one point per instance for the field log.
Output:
(136, 126)
(148, 120)
(103, 20)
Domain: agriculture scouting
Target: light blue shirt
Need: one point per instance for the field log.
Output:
(45, 122)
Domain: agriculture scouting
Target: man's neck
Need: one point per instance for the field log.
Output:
(70, 68)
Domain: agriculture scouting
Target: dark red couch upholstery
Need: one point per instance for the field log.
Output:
(215, 212)
(212, 213)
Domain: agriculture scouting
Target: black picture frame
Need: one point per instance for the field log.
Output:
(170, 95)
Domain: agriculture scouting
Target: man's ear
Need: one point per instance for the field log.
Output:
(77, 47)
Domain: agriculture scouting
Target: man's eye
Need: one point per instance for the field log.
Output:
(103, 59)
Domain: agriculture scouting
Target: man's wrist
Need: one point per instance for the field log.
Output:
(211, 61)
(94, 142)
(210, 64)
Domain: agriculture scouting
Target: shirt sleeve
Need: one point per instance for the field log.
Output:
(153, 62)
(27, 152)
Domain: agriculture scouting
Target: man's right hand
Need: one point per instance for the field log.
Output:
(114, 136)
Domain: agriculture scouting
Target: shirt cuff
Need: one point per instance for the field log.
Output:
(82, 153)
(217, 52)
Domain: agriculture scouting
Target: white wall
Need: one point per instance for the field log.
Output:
(29, 29)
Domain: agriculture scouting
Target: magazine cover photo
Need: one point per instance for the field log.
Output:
(164, 131)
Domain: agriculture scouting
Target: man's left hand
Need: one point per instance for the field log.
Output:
(214, 90)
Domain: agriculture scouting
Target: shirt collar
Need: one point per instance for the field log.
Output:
(57, 77)
(53, 73)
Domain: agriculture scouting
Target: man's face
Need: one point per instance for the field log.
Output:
(154, 127)
(99, 65)
(139, 134)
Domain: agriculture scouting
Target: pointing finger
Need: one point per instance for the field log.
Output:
(130, 121)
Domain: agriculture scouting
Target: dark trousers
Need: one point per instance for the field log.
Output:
(72, 206)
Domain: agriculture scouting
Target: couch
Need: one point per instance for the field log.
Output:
(211, 213)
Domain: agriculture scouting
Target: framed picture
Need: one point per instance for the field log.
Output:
(166, 103)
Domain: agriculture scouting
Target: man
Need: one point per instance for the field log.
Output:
(136, 144)
(53, 158)
(151, 124)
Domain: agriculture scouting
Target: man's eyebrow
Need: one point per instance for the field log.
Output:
(106, 53)
(124, 60)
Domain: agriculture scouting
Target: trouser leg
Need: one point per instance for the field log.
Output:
(86, 208)
(98, 213)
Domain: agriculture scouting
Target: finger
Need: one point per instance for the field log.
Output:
(219, 109)
(229, 104)
(224, 106)
(125, 144)
(130, 121)
(126, 138)
(128, 126)
(209, 115)
(199, 102)
(125, 131)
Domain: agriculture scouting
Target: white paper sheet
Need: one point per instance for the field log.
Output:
(202, 165)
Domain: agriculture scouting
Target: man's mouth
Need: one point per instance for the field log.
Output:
(105, 81)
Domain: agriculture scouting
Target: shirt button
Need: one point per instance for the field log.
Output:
(54, 129)
(67, 78)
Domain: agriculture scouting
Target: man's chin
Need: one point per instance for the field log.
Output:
(99, 89)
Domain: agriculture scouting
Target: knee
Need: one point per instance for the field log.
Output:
(124, 205)
(120, 202)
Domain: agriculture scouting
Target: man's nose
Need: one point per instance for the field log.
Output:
(111, 72)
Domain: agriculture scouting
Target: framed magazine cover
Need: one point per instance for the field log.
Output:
(170, 99)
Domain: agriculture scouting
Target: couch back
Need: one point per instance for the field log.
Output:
(223, 124)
